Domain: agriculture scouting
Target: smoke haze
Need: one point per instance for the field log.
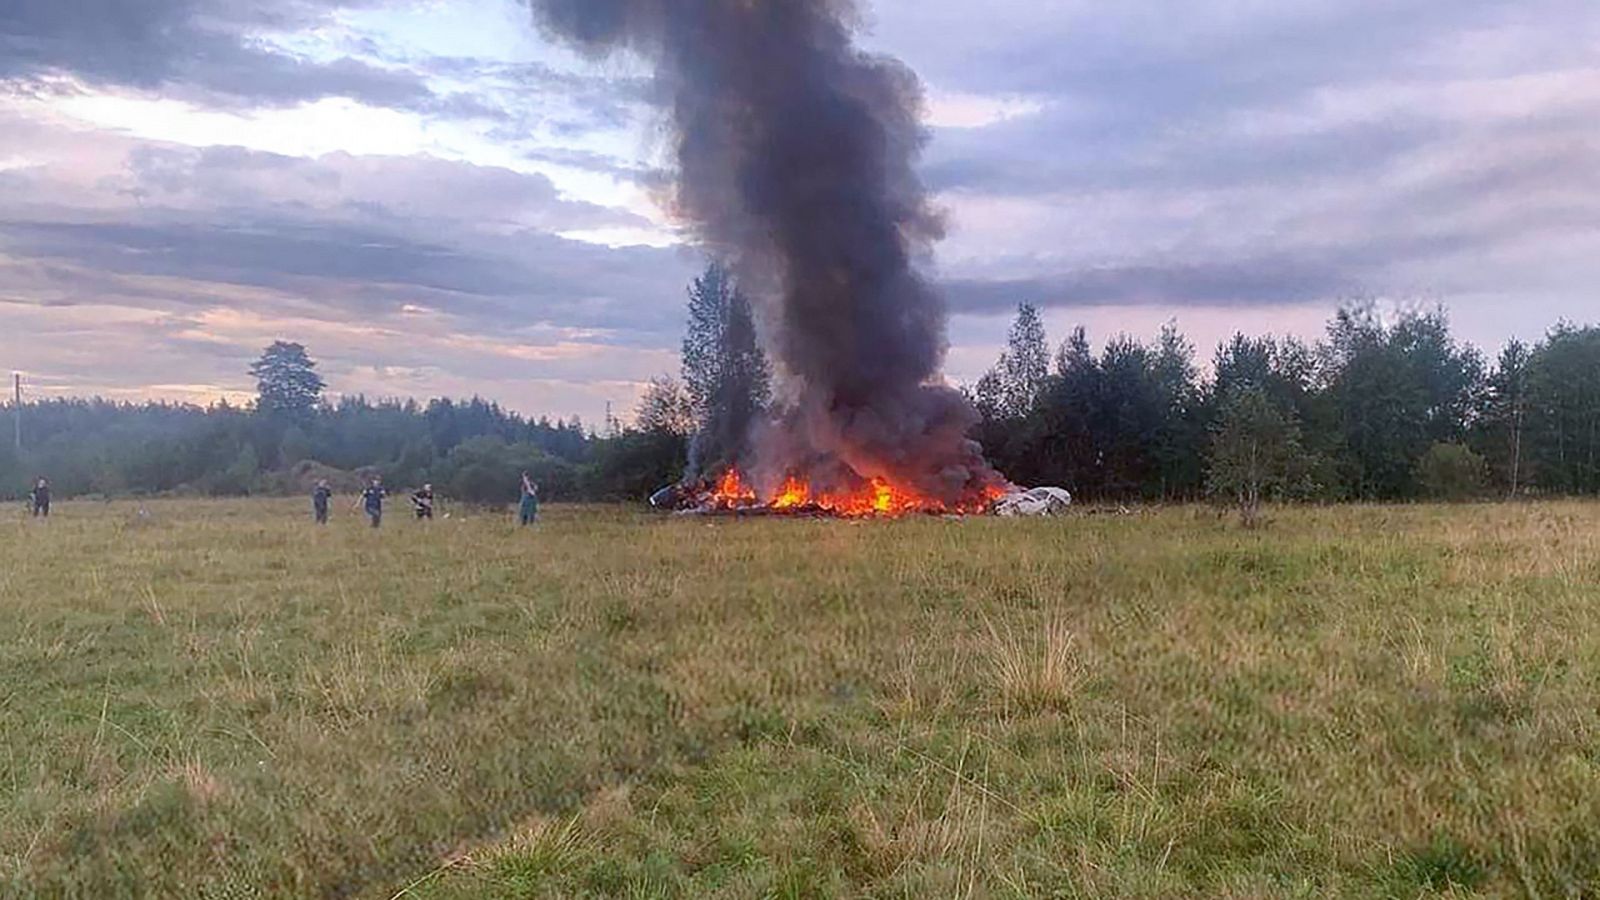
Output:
(795, 154)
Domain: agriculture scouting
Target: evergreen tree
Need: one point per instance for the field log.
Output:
(1396, 391)
(1179, 440)
(724, 369)
(1502, 427)
(1564, 401)
(286, 380)
(1020, 376)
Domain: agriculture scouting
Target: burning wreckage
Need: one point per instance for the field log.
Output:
(877, 498)
(795, 165)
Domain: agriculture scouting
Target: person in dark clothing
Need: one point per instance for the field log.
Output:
(320, 496)
(40, 497)
(422, 502)
(372, 500)
(528, 512)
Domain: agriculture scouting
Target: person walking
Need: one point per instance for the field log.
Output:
(372, 500)
(320, 496)
(40, 498)
(528, 512)
(422, 502)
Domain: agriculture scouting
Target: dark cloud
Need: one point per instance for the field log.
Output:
(1229, 155)
(412, 192)
(171, 228)
(1245, 154)
(354, 270)
(201, 49)
(1244, 283)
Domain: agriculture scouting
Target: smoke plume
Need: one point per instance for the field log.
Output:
(795, 156)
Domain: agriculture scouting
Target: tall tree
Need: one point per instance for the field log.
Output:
(1019, 377)
(1058, 444)
(724, 369)
(1129, 418)
(1025, 366)
(1395, 391)
(1503, 425)
(665, 408)
(286, 380)
(1255, 453)
(1179, 440)
(1564, 396)
(1284, 368)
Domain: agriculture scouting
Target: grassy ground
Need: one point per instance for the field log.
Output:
(216, 700)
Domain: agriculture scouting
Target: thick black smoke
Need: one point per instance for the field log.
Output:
(795, 155)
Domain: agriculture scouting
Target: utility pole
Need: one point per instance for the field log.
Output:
(16, 409)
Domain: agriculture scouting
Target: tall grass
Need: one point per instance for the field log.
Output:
(216, 700)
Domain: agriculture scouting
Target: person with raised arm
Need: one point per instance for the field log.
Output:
(528, 512)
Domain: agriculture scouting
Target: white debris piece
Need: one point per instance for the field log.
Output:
(1039, 501)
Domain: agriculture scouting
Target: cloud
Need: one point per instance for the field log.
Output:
(1250, 154)
(384, 265)
(1116, 162)
(212, 49)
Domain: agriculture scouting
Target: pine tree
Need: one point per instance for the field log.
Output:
(1504, 421)
(1025, 366)
(724, 369)
(1020, 376)
(286, 380)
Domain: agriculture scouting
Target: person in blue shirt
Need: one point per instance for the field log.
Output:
(320, 496)
(372, 501)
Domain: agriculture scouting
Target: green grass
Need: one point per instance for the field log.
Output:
(217, 700)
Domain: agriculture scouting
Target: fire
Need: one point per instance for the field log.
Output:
(793, 495)
(732, 491)
(873, 498)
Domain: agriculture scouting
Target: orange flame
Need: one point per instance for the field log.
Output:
(793, 495)
(732, 491)
(876, 497)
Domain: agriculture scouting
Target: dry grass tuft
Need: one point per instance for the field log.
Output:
(1035, 672)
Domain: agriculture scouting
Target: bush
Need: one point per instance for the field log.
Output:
(1256, 454)
(489, 470)
(634, 465)
(1451, 472)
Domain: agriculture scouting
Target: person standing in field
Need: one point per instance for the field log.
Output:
(372, 500)
(40, 497)
(529, 510)
(422, 502)
(320, 495)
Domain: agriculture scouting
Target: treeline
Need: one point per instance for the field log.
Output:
(1376, 410)
(471, 450)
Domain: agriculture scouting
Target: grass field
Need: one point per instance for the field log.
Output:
(216, 700)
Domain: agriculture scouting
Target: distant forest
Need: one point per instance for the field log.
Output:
(1377, 409)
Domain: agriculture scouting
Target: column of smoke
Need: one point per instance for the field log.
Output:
(795, 157)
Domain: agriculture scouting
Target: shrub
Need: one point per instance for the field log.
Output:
(1451, 472)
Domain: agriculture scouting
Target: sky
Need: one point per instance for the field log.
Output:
(437, 201)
